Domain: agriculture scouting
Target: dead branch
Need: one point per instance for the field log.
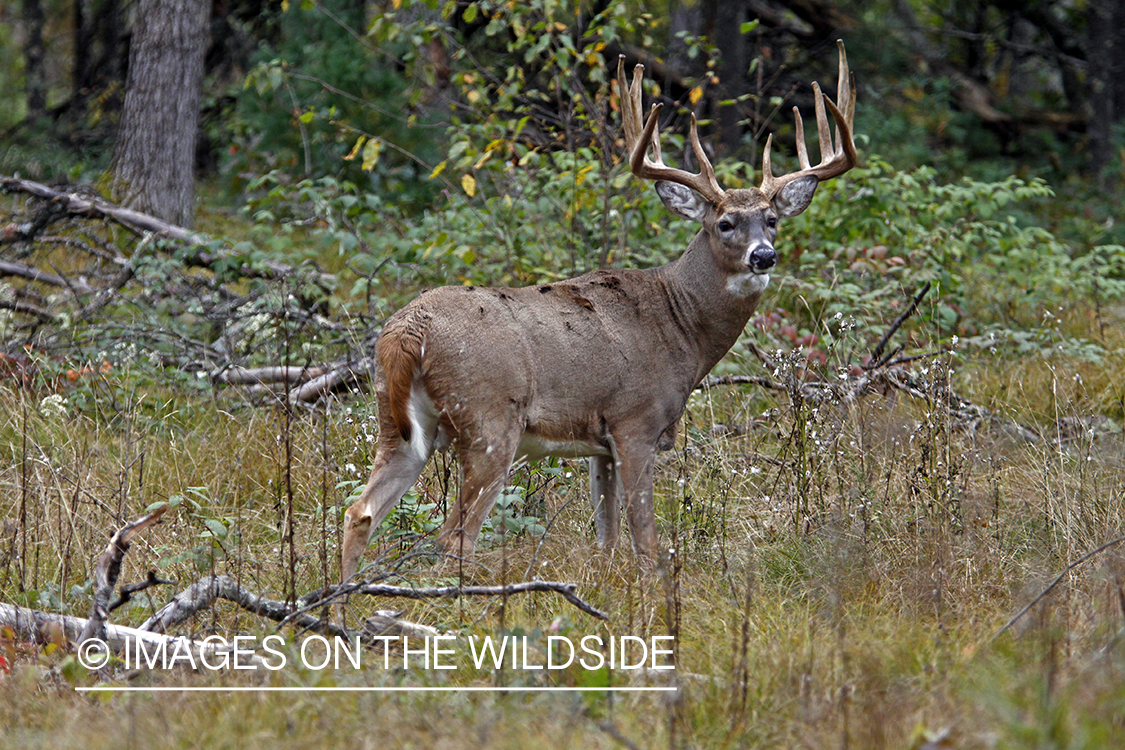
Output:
(33, 625)
(136, 221)
(1058, 579)
(107, 570)
(876, 358)
(27, 309)
(310, 383)
(11, 268)
(266, 375)
(349, 373)
(203, 593)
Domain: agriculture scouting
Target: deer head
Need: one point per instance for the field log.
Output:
(741, 225)
(601, 365)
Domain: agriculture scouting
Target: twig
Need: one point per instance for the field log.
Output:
(565, 590)
(757, 380)
(877, 352)
(1056, 582)
(126, 592)
(28, 309)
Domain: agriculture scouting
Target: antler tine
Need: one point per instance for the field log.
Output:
(638, 141)
(836, 156)
(802, 148)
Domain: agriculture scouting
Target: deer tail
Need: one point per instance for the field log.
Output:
(399, 349)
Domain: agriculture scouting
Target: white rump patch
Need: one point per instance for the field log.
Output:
(423, 420)
(748, 284)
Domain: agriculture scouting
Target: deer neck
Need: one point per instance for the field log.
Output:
(710, 305)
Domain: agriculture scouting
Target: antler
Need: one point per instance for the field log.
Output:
(835, 159)
(638, 141)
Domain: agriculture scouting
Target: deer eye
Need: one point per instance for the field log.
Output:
(725, 226)
(771, 222)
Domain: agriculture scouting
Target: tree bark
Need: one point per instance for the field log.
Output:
(154, 158)
(34, 54)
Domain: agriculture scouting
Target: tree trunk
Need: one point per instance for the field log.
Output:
(154, 159)
(34, 54)
(726, 19)
(1106, 59)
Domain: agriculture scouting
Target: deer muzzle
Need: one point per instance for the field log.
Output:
(761, 258)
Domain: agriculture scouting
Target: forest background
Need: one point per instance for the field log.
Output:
(210, 208)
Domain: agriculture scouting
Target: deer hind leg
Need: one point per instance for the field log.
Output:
(606, 501)
(484, 465)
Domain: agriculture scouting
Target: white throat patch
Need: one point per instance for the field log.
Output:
(748, 284)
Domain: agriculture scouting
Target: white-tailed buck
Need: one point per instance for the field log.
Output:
(601, 365)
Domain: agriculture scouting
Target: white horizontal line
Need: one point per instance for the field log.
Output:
(345, 689)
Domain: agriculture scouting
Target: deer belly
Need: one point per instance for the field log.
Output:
(534, 447)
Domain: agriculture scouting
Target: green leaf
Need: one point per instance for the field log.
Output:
(216, 527)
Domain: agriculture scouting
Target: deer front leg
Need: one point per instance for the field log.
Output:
(395, 471)
(606, 501)
(635, 461)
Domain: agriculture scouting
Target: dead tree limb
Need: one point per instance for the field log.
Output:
(11, 268)
(32, 625)
(308, 383)
(107, 570)
(203, 593)
(267, 375)
(136, 221)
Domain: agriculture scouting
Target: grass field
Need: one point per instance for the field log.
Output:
(838, 575)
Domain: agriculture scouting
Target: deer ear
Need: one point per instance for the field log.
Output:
(682, 200)
(795, 197)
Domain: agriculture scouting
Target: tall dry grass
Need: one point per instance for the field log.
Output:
(836, 573)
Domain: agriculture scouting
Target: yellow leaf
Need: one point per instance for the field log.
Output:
(437, 170)
(695, 94)
(371, 154)
(469, 184)
(483, 159)
(396, 4)
(355, 149)
(284, 6)
(560, 26)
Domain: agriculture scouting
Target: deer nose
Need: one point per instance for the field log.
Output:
(762, 259)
